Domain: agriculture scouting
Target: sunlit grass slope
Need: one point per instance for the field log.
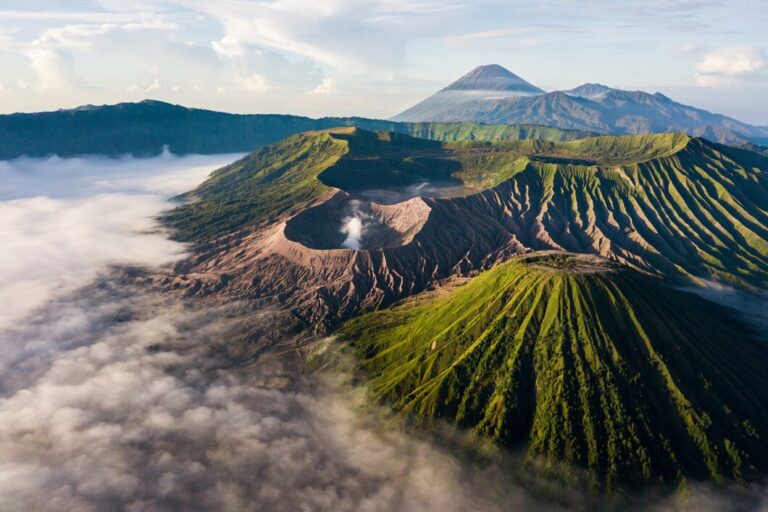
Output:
(581, 363)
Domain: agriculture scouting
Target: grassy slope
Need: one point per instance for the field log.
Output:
(608, 371)
(270, 182)
(703, 209)
(667, 202)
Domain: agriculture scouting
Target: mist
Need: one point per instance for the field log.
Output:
(65, 220)
(433, 189)
(117, 396)
(750, 308)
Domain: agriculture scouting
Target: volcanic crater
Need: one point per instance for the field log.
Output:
(342, 222)
(292, 220)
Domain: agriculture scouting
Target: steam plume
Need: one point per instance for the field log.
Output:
(353, 228)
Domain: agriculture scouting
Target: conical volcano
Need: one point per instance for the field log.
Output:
(484, 85)
(493, 78)
(582, 363)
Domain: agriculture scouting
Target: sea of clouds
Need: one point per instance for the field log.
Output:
(114, 396)
(66, 220)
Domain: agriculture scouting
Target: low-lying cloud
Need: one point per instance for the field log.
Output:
(750, 308)
(65, 220)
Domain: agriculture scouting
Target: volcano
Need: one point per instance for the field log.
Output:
(582, 363)
(568, 341)
(481, 85)
(493, 78)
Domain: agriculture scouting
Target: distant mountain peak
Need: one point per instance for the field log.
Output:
(492, 77)
(491, 71)
(589, 90)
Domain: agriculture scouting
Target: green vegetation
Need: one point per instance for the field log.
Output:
(273, 181)
(487, 165)
(700, 211)
(463, 132)
(143, 129)
(582, 363)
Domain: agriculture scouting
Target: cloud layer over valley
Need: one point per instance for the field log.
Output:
(66, 220)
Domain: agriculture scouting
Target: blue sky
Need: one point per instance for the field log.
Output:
(374, 57)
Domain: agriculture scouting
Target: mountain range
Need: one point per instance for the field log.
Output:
(489, 104)
(148, 127)
(518, 281)
(492, 94)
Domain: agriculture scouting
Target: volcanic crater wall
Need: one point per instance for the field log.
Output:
(694, 213)
(378, 226)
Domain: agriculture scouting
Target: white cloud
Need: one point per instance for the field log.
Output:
(732, 61)
(326, 86)
(725, 65)
(229, 47)
(97, 17)
(54, 68)
(251, 83)
(52, 54)
(153, 86)
(64, 221)
(348, 34)
(254, 82)
(520, 36)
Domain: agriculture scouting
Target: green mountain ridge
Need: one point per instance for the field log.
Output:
(146, 128)
(579, 362)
